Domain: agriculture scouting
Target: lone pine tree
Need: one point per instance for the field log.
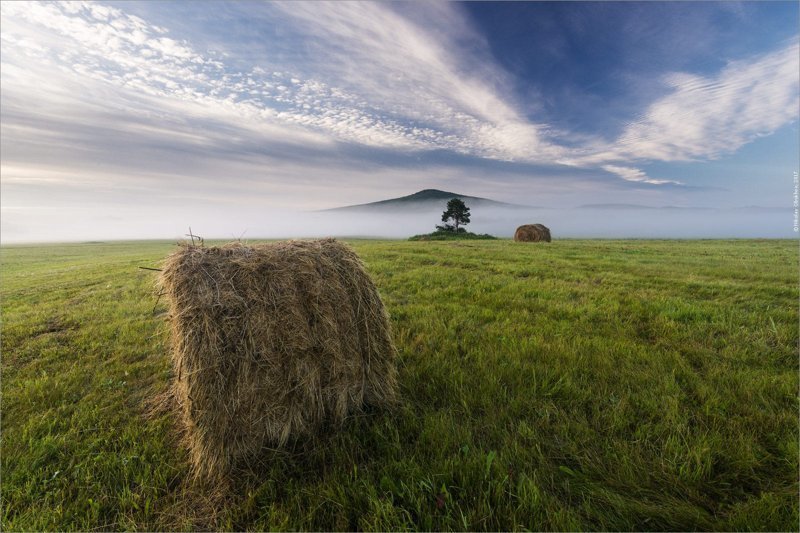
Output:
(458, 212)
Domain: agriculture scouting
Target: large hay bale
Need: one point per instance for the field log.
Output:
(270, 342)
(532, 233)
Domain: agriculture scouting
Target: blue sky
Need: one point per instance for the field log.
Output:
(114, 112)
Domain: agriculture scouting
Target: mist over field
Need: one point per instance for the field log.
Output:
(253, 223)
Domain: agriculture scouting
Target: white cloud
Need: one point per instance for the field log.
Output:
(416, 73)
(636, 175)
(705, 117)
(406, 92)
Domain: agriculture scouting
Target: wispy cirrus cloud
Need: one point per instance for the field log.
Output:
(404, 91)
(705, 117)
(636, 175)
(437, 77)
(390, 89)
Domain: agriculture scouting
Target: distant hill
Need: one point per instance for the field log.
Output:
(424, 199)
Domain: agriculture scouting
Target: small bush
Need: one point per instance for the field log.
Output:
(445, 235)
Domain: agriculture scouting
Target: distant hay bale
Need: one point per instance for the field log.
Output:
(532, 233)
(270, 342)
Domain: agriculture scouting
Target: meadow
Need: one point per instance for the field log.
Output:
(577, 385)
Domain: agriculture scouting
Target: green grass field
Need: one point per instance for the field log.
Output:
(623, 385)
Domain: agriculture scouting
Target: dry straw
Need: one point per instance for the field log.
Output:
(532, 233)
(270, 343)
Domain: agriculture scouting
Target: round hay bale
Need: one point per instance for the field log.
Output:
(270, 342)
(532, 233)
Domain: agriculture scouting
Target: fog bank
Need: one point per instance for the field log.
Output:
(99, 223)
